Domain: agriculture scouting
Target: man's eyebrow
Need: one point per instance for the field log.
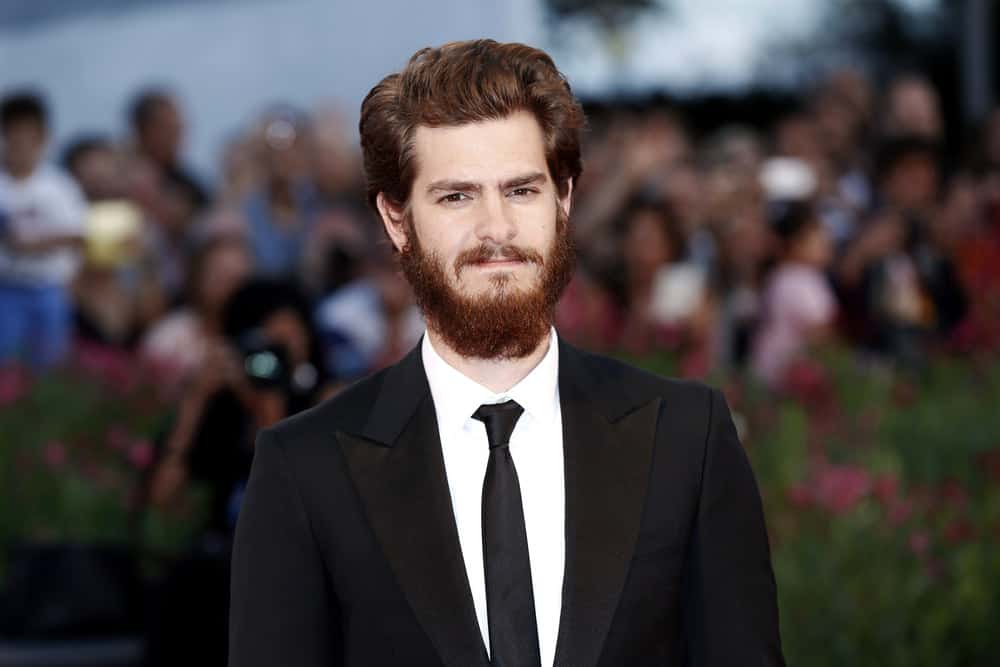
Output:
(527, 179)
(453, 186)
(446, 185)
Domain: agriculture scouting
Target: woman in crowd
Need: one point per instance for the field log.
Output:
(798, 304)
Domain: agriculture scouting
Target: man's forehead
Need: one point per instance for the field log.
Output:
(512, 144)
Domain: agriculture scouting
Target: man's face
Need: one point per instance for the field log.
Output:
(485, 242)
(484, 186)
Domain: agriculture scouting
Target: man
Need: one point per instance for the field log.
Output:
(497, 497)
(42, 216)
(159, 135)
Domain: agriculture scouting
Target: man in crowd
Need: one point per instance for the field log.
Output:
(159, 135)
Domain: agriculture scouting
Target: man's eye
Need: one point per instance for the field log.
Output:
(522, 192)
(454, 197)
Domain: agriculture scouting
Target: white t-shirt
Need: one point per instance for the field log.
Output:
(45, 204)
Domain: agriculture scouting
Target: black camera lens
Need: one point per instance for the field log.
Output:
(266, 366)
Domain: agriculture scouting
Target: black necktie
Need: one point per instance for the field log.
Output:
(510, 604)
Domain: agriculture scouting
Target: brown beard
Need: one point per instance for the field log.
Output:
(503, 323)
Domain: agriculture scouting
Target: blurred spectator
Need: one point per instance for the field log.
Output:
(913, 108)
(41, 232)
(159, 135)
(798, 305)
(240, 171)
(265, 368)
(334, 160)
(282, 212)
(171, 199)
(181, 342)
(897, 280)
(368, 318)
(104, 291)
(654, 298)
(735, 214)
(842, 110)
(909, 175)
(96, 166)
(660, 293)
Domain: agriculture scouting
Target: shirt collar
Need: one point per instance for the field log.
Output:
(456, 397)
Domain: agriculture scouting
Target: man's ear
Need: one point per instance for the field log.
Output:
(393, 219)
(566, 201)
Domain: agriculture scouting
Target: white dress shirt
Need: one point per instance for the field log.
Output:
(537, 449)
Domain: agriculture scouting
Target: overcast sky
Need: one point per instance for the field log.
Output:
(697, 44)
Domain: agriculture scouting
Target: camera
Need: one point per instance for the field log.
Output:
(265, 363)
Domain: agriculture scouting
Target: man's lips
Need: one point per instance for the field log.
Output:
(498, 263)
(486, 258)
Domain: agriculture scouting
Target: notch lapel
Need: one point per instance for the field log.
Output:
(398, 470)
(608, 444)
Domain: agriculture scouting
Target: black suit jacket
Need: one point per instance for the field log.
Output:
(347, 550)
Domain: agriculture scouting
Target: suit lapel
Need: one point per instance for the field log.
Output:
(398, 470)
(607, 442)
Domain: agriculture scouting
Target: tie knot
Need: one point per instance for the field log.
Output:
(499, 419)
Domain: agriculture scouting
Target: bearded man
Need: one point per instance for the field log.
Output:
(498, 497)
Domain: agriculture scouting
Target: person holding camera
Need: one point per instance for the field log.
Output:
(263, 368)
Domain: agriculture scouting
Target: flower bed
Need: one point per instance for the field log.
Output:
(882, 493)
(76, 445)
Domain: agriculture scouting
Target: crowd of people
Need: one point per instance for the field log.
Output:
(849, 216)
(849, 219)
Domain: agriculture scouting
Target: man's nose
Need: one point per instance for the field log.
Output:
(496, 221)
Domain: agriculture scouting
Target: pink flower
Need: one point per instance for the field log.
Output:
(900, 510)
(920, 542)
(116, 368)
(886, 488)
(14, 384)
(800, 496)
(954, 494)
(839, 488)
(959, 531)
(807, 381)
(54, 454)
(140, 454)
(118, 438)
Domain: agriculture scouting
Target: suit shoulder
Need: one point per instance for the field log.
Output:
(642, 383)
(346, 410)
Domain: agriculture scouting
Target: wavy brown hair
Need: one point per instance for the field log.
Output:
(466, 82)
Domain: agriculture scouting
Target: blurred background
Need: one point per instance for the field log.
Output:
(796, 201)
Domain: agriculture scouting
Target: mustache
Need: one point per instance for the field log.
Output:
(485, 253)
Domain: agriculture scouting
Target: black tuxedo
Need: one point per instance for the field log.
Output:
(347, 551)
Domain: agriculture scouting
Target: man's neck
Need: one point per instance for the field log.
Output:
(497, 375)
